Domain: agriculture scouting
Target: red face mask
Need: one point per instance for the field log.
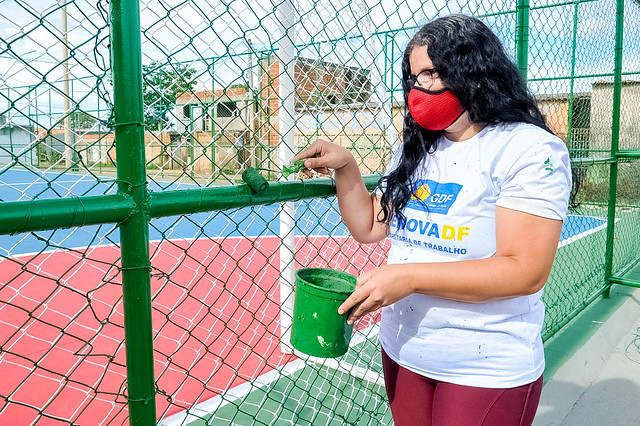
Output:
(434, 110)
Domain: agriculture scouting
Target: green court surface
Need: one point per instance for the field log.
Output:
(324, 392)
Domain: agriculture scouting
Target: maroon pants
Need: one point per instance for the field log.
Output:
(417, 400)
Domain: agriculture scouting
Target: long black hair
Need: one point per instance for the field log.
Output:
(472, 63)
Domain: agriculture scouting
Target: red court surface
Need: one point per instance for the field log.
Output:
(215, 316)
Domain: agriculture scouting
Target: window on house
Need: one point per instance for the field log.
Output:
(207, 120)
(226, 109)
(582, 111)
(356, 86)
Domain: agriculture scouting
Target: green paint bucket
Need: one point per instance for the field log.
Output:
(317, 328)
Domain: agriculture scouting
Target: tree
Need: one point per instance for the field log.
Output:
(82, 120)
(161, 85)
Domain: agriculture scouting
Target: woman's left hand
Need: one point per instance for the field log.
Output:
(376, 288)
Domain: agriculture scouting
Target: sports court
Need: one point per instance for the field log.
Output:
(247, 376)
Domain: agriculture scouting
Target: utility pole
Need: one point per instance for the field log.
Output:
(250, 108)
(69, 156)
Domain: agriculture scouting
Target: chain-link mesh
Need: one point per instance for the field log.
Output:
(238, 84)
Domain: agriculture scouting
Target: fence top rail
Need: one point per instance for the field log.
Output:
(40, 215)
(587, 161)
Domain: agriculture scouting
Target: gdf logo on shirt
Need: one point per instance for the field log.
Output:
(433, 197)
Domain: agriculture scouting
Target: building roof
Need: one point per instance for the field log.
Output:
(610, 83)
(561, 96)
(205, 96)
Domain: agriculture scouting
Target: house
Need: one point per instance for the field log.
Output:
(239, 124)
(16, 143)
(319, 85)
(569, 117)
(602, 113)
(221, 110)
(590, 118)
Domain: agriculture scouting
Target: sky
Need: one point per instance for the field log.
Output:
(196, 32)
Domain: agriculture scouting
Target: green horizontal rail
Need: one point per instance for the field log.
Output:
(628, 275)
(592, 161)
(171, 203)
(624, 281)
(628, 154)
(583, 76)
(40, 215)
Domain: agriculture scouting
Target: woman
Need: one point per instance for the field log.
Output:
(473, 202)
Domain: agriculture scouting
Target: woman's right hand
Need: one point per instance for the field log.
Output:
(323, 156)
(358, 208)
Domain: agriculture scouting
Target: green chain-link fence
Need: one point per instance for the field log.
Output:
(142, 280)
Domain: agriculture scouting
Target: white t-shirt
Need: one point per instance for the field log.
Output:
(451, 218)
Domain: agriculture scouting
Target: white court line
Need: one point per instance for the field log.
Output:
(574, 238)
(117, 245)
(562, 243)
(210, 406)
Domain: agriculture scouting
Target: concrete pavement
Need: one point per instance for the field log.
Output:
(593, 366)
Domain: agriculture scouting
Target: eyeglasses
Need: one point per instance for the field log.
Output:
(423, 78)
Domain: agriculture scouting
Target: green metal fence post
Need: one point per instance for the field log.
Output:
(570, 139)
(615, 138)
(522, 37)
(134, 231)
(214, 116)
